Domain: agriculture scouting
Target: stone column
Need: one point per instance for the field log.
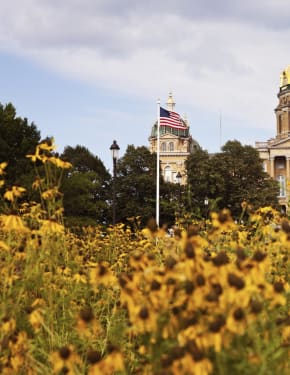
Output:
(272, 167)
(288, 168)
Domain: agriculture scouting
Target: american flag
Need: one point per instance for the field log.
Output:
(169, 118)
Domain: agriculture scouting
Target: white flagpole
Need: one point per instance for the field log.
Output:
(158, 164)
(220, 131)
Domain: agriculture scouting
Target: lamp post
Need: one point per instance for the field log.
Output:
(206, 209)
(178, 179)
(115, 154)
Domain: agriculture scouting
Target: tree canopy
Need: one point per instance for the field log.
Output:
(17, 139)
(86, 186)
(227, 178)
(230, 177)
(136, 188)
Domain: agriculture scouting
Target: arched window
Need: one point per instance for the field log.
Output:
(167, 174)
(163, 146)
(171, 146)
(282, 186)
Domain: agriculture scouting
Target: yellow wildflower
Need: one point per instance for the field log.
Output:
(7, 325)
(101, 274)
(3, 165)
(87, 325)
(236, 321)
(36, 319)
(60, 163)
(14, 192)
(47, 147)
(65, 360)
(109, 365)
(51, 193)
(12, 222)
(4, 246)
(80, 278)
(51, 226)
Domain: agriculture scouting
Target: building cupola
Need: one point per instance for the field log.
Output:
(170, 102)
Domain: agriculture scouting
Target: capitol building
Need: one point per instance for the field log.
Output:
(175, 145)
(275, 152)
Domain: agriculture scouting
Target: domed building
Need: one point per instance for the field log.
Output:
(175, 144)
(275, 152)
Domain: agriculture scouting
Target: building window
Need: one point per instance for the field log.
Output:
(167, 174)
(163, 146)
(282, 186)
(264, 166)
(171, 146)
(280, 162)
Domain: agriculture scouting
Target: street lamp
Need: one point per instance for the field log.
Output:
(178, 179)
(115, 154)
(206, 209)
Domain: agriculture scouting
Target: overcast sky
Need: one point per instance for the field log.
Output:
(90, 71)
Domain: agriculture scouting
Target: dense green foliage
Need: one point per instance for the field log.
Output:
(17, 139)
(136, 184)
(86, 187)
(136, 188)
(227, 178)
(230, 177)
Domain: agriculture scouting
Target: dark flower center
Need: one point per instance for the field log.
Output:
(64, 352)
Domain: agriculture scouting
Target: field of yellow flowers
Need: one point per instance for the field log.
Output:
(212, 299)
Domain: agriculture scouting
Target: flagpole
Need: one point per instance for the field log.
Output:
(220, 131)
(158, 163)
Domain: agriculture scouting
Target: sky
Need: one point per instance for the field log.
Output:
(88, 72)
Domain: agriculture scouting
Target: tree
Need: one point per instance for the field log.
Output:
(18, 138)
(136, 188)
(136, 185)
(86, 187)
(231, 177)
(197, 165)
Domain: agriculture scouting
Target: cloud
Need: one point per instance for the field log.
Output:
(215, 55)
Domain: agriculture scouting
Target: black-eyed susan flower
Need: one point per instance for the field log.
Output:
(93, 359)
(102, 275)
(14, 193)
(21, 360)
(36, 314)
(51, 226)
(3, 165)
(87, 324)
(142, 319)
(65, 360)
(112, 363)
(80, 277)
(60, 163)
(13, 223)
(8, 325)
(222, 221)
(236, 321)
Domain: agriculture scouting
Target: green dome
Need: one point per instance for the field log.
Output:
(181, 133)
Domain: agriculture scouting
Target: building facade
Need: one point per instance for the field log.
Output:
(275, 153)
(175, 145)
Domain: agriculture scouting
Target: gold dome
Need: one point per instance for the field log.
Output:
(285, 77)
